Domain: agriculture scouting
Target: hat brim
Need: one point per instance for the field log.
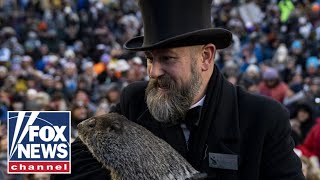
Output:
(220, 37)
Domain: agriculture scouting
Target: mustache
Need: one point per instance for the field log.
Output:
(164, 82)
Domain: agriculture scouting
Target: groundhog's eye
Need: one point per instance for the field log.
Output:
(116, 126)
(92, 123)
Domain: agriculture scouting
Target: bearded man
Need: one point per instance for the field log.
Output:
(219, 128)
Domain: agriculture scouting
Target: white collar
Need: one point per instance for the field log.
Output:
(199, 103)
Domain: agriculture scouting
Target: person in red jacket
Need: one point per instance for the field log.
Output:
(311, 145)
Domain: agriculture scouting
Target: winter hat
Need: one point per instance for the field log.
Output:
(312, 61)
(270, 74)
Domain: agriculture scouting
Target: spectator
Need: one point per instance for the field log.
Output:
(312, 66)
(301, 122)
(250, 85)
(113, 95)
(79, 112)
(272, 86)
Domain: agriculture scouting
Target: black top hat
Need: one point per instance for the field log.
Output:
(174, 23)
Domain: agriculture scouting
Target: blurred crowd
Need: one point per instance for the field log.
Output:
(62, 55)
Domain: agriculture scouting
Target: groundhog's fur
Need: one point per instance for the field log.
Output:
(130, 151)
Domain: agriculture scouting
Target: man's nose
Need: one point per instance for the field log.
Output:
(155, 70)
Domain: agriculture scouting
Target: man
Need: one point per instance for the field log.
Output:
(235, 135)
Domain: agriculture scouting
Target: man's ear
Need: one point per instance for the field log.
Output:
(208, 55)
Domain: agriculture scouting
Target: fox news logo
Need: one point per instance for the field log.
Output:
(39, 141)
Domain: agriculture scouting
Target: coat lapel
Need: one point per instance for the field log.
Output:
(218, 130)
(225, 124)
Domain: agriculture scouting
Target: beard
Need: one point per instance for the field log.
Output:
(171, 104)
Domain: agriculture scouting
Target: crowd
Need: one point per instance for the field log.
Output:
(67, 55)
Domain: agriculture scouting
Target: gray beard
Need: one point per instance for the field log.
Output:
(170, 106)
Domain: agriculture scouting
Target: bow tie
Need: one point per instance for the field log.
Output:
(192, 117)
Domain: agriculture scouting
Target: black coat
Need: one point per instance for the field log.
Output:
(254, 129)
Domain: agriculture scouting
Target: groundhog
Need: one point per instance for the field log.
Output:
(132, 152)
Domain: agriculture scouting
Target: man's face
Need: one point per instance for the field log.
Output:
(174, 82)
